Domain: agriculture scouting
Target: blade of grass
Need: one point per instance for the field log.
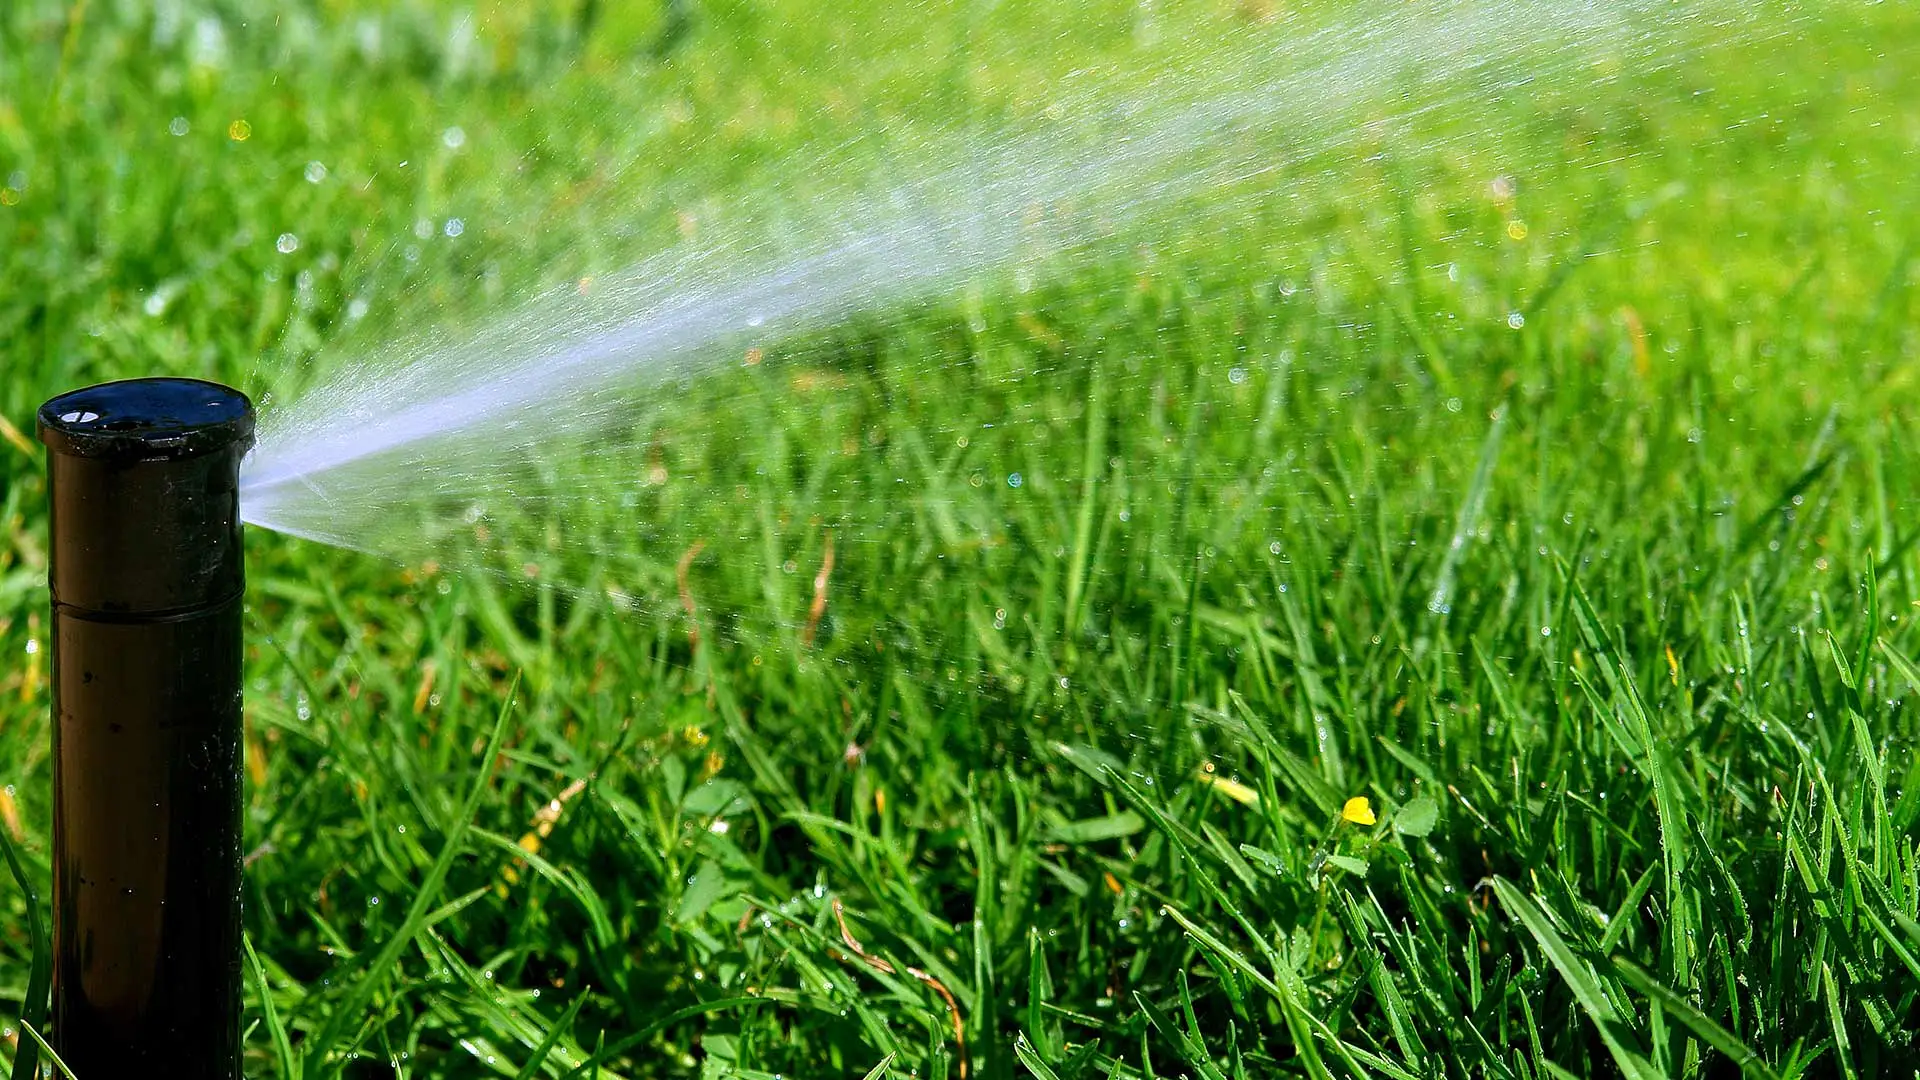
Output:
(547, 1042)
(1743, 1056)
(282, 1047)
(33, 1010)
(350, 1010)
(59, 1067)
(1618, 1037)
(1036, 1065)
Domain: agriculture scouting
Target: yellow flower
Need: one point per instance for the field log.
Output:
(1358, 811)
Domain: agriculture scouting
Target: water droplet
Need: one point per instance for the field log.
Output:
(1014, 480)
(454, 137)
(1515, 320)
(239, 131)
(287, 244)
(316, 172)
(179, 126)
(1236, 376)
(454, 227)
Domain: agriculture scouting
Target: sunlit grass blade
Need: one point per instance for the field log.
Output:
(33, 1011)
(1620, 1040)
(1737, 1052)
(270, 1014)
(378, 970)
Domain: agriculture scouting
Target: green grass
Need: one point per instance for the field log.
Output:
(1609, 616)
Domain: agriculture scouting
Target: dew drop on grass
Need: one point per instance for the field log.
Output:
(316, 172)
(454, 137)
(454, 227)
(287, 244)
(179, 126)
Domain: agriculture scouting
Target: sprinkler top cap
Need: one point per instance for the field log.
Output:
(162, 419)
(143, 492)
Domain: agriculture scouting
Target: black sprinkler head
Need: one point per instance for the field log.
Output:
(147, 579)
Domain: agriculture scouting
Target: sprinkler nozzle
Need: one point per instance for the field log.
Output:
(147, 580)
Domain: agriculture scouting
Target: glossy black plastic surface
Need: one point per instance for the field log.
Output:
(144, 480)
(147, 579)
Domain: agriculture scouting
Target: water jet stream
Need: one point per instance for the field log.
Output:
(446, 415)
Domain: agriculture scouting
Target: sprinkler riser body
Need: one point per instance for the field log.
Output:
(147, 585)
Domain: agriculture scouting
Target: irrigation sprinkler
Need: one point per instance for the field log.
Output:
(147, 577)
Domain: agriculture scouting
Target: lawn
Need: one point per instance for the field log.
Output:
(982, 685)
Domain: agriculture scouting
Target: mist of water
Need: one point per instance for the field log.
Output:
(443, 418)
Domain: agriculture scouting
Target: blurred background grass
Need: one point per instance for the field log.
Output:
(1537, 467)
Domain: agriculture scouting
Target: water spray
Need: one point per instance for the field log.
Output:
(147, 581)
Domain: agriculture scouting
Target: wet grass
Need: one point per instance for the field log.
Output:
(990, 684)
